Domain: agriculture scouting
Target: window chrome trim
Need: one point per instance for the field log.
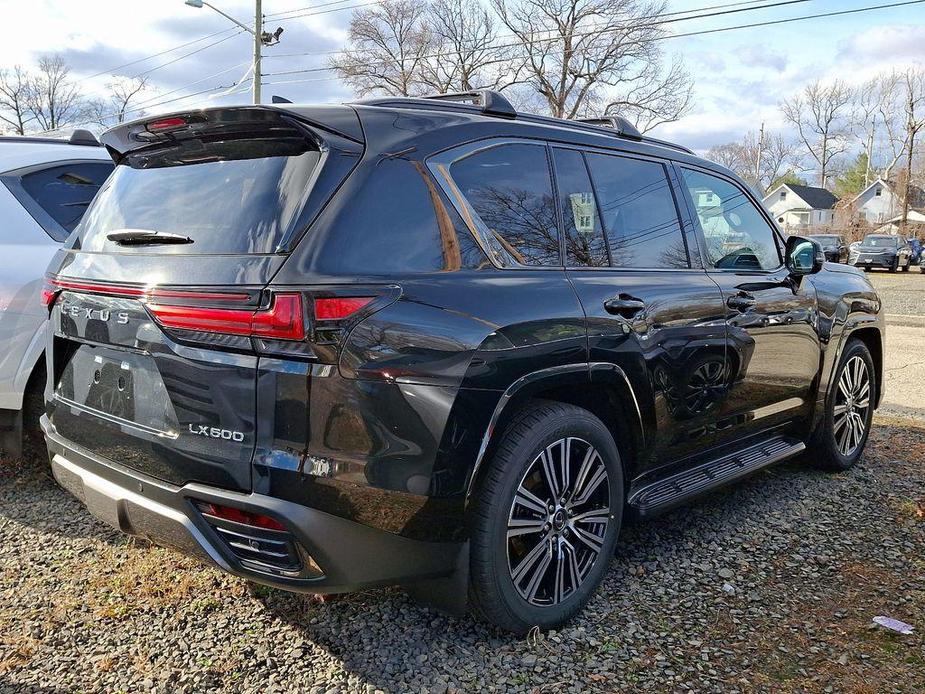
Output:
(439, 166)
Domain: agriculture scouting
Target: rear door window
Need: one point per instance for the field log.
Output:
(585, 245)
(58, 195)
(639, 212)
(509, 188)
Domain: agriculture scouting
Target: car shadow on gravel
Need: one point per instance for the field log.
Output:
(377, 632)
(30, 496)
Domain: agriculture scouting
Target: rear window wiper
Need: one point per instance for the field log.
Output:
(145, 237)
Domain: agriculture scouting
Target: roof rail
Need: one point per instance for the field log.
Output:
(78, 137)
(618, 123)
(490, 102)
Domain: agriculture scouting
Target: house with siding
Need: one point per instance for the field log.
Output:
(801, 209)
(882, 201)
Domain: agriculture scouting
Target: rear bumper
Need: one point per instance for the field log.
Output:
(348, 555)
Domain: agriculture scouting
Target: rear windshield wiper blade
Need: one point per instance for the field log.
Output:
(144, 237)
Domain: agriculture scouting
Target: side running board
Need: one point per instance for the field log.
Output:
(666, 493)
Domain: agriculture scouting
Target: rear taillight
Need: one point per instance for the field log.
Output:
(339, 308)
(283, 320)
(49, 296)
(236, 515)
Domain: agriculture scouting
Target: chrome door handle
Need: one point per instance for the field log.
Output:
(624, 305)
(741, 302)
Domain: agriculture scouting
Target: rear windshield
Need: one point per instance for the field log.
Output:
(231, 196)
(827, 239)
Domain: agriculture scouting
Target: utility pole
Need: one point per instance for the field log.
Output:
(758, 158)
(260, 37)
(258, 42)
(870, 150)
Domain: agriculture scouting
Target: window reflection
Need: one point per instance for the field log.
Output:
(585, 245)
(736, 234)
(510, 189)
(639, 212)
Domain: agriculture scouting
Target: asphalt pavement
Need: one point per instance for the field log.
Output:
(903, 295)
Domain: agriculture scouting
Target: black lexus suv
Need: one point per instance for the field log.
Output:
(434, 342)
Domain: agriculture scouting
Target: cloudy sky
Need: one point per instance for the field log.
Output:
(740, 76)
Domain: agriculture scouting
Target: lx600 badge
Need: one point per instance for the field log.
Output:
(216, 433)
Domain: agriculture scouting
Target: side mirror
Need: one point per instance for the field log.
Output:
(803, 256)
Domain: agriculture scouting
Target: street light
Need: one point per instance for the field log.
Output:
(261, 38)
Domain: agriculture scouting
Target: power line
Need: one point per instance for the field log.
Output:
(664, 14)
(334, 9)
(675, 36)
(150, 57)
(187, 55)
(308, 7)
(658, 22)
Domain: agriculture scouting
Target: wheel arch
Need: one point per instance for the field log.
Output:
(873, 340)
(601, 388)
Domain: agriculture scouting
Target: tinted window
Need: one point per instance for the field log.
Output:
(639, 212)
(736, 233)
(585, 245)
(228, 196)
(65, 192)
(394, 221)
(510, 189)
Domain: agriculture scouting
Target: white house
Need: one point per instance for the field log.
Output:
(882, 201)
(801, 208)
(915, 221)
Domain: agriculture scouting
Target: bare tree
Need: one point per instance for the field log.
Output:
(729, 155)
(123, 91)
(820, 116)
(912, 94)
(868, 119)
(660, 96)
(465, 51)
(759, 163)
(389, 44)
(14, 91)
(53, 99)
(580, 55)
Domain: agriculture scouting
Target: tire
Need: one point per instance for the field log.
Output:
(828, 444)
(505, 590)
(906, 266)
(895, 266)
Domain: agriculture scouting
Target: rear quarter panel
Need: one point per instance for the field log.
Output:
(25, 251)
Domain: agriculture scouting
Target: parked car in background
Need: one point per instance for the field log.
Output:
(885, 251)
(833, 245)
(431, 342)
(47, 185)
(916, 246)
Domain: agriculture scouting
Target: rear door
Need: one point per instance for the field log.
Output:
(158, 305)
(773, 344)
(651, 311)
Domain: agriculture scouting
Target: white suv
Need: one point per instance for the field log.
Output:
(46, 186)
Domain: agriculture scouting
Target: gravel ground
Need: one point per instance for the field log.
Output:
(903, 293)
(768, 586)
